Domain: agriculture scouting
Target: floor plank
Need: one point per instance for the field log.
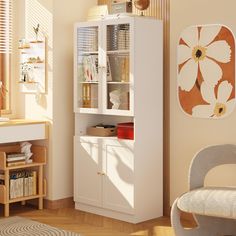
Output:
(92, 225)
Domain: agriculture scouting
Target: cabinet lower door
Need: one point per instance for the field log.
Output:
(118, 184)
(88, 183)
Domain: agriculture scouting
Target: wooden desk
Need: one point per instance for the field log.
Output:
(19, 130)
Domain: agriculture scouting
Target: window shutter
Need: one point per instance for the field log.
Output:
(5, 26)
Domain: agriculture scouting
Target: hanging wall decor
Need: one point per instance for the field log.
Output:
(206, 71)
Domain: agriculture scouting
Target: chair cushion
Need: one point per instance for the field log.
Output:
(210, 201)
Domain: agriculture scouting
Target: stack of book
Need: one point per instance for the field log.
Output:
(2, 178)
(15, 159)
(23, 184)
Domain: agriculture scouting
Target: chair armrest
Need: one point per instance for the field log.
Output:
(208, 158)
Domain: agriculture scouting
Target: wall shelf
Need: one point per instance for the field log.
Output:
(33, 67)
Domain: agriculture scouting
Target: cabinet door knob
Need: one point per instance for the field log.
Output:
(101, 173)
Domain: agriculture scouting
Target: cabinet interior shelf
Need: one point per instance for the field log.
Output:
(118, 82)
(88, 53)
(118, 52)
(89, 82)
(88, 110)
(108, 137)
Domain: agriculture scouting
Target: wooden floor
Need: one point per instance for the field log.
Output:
(92, 225)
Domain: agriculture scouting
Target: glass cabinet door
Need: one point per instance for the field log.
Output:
(118, 68)
(87, 67)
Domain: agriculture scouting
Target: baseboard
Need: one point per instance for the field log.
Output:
(58, 204)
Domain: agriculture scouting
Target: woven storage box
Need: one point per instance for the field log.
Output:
(99, 131)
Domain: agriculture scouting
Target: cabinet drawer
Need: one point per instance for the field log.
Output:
(20, 133)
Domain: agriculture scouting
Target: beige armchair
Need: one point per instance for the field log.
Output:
(214, 208)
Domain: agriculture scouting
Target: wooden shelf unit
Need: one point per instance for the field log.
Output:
(39, 160)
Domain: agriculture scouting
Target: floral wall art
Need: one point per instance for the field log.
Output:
(206, 71)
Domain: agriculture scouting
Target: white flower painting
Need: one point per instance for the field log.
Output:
(206, 71)
(217, 106)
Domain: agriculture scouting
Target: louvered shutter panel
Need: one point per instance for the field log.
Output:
(5, 26)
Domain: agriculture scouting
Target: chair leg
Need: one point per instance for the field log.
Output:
(219, 226)
(180, 230)
(207, 226)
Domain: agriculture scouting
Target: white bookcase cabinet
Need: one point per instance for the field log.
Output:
(120, 60)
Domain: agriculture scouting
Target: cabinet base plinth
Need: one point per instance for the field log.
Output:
(114, 214)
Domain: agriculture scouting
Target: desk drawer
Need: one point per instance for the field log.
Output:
(18, 133)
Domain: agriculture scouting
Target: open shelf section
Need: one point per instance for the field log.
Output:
(39, 157)
(22, 182)
(26, 198)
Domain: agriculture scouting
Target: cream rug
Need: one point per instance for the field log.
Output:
(18, 226)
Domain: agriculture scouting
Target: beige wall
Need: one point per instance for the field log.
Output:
(66, 13)
(56, 20)
(189, 135)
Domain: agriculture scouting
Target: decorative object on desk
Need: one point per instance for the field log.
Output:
(206, 71)
(36, 31)
(118, 7)
(3, 92)
(97, 12)
(26, 149)
(142, 5)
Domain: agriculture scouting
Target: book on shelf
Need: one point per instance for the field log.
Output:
(11, 157)
(90, 95)
(23, 184)
(2, 178)
(16, 163)
(91, 68)
(15, 154)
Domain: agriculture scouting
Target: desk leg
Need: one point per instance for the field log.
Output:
(40, 185)
(6, 210)
(6, 198)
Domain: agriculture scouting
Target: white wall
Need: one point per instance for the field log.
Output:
(56, 19)
(189, 135)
